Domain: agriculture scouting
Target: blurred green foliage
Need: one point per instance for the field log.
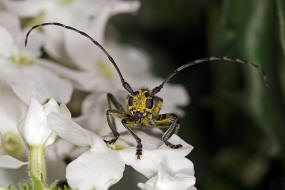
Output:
(235, 123)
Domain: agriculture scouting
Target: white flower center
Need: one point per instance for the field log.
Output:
(27, 23)
(22, 59)
(104, 69)
(115, 146)
(63, 2)
(12, 143)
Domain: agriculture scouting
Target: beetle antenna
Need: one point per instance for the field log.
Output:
(208, 59)
(124, 83)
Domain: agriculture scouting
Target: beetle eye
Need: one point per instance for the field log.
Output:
(149, 103)
(146, 94)
(130, 101)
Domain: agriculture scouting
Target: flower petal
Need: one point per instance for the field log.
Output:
(125, 6)
(11, 176)
(51, 106)
(108, 9)
(10, 22)
(174, 96)
(95, 170)
(93, 113)
(41, 84)
(54, 41)
(7, 43)
(56, 165)
(80, 79)
(69, 130)
(157, 156)
(34, 128)
(7, 161)
(64, 110)
(81, 51)
(164, 181)
(34, 45)
(29, 8)
(12, 109)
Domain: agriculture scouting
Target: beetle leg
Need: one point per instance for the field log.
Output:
(127, 122)
(112, 99)
(110, 117)
(171, 122)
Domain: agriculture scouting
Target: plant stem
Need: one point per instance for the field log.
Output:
(37, 165)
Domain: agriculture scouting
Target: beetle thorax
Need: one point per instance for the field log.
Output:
(140, 104)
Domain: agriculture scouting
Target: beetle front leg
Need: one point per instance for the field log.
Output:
(112, 101)
(126, 122)
(111, 114)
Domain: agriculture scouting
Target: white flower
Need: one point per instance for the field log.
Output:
(12, 110)
(78, 13)
(19, 66)
(164, 181)
(12, 147)
(38, 135)
(35, 128)
(101, 167)
(88, 171)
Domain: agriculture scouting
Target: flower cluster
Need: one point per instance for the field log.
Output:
(38, 131)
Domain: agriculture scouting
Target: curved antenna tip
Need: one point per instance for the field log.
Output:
(27, 36)
(207, 59)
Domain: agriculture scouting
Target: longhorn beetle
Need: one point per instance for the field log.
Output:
(142, 105)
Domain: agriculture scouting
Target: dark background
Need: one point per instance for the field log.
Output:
(235, 123)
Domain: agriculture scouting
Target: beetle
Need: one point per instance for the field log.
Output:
(143, 106)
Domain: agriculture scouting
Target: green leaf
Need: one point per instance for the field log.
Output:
(257, 45)
(281, 18)
(251, 26)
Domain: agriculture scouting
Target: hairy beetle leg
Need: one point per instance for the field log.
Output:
(139, 151)
(174, 146)
(112, 141)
